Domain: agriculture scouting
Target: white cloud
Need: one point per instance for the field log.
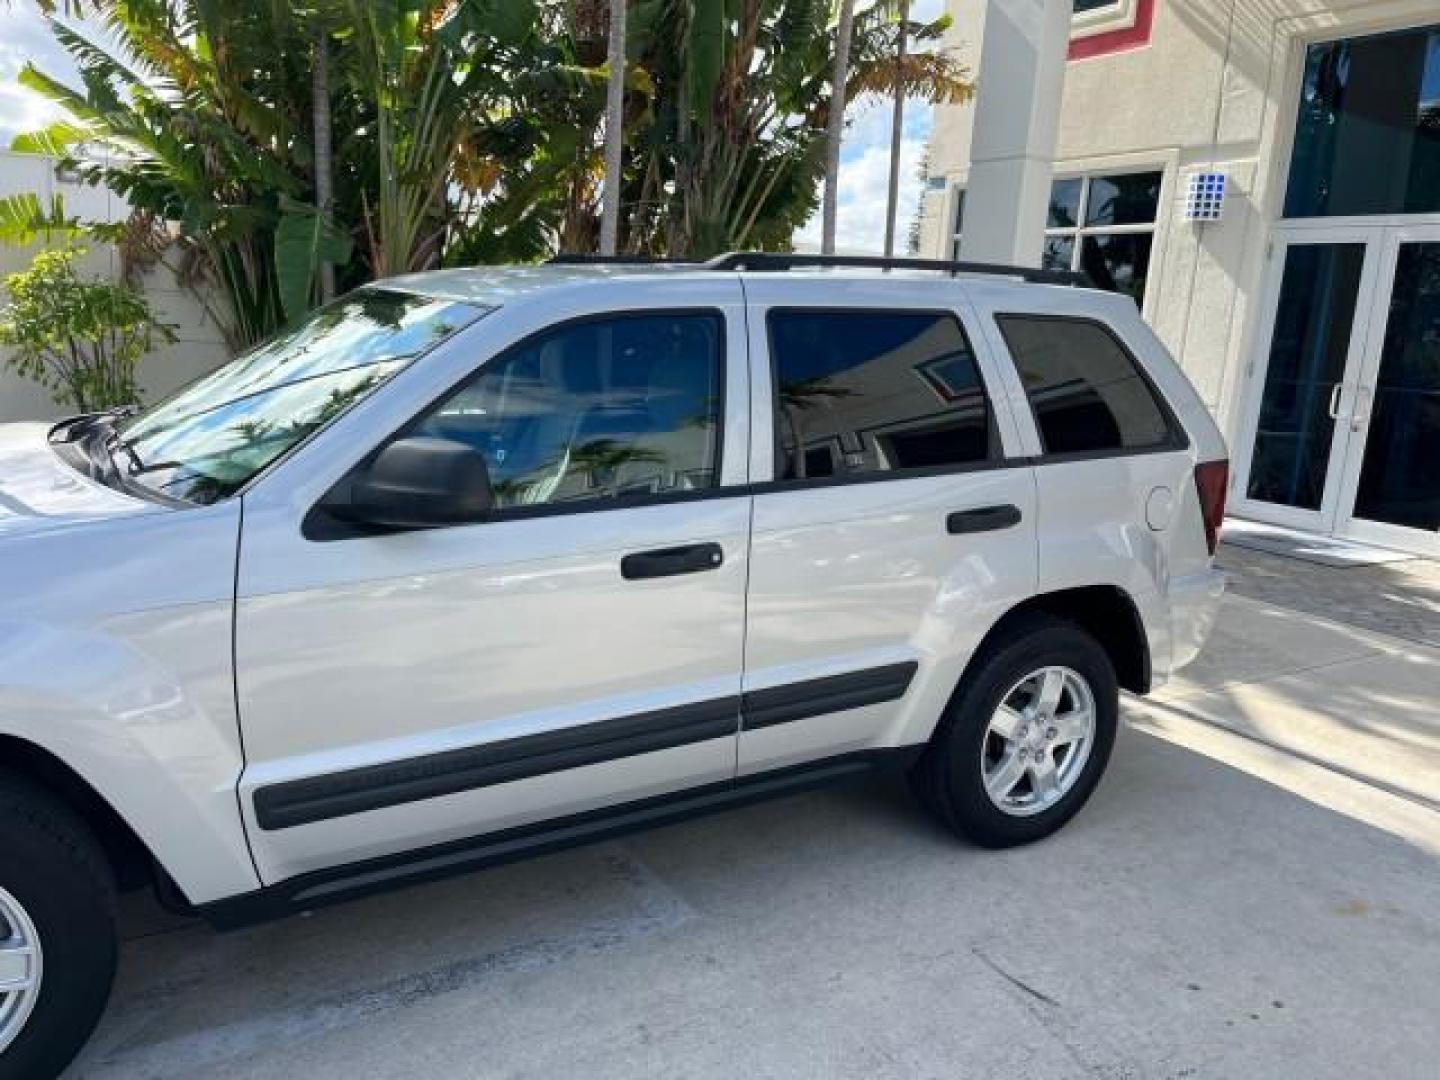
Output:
(865, 179)
(25, 38)
(865, 170)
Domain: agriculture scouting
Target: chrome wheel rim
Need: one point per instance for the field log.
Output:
(21, 966)
(1038, 741)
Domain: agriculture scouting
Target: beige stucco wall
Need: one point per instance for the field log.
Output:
(198, 347)
(1216, 88)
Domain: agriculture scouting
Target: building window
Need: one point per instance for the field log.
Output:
(1094, 17)
(1367, 140)
(959, 223)
(1105, 226)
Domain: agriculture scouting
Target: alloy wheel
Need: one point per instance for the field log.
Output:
(21, 968)
(1038, 741)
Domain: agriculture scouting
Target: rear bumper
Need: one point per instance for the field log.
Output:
(1194, 606)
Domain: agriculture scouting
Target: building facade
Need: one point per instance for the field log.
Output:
(1263, 176)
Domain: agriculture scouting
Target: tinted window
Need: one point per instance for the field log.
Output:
(1065, 204)
(1084, 388)
(1118, 263)
(872, 392)
(596, 410)
(1133, 199)
(1367, 137)
(211, 438)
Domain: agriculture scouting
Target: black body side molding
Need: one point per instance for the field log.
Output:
(324, 887)
(374, 787)
(816, 697)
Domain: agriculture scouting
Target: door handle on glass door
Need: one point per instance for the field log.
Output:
(1335, 392)
(1361, 416)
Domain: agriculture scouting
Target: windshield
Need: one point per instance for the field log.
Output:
(206, 442)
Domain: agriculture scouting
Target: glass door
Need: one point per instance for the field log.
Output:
(1307, 378)
(1391, 487)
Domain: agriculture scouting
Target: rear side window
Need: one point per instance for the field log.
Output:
(1085, 389)
(860, 393)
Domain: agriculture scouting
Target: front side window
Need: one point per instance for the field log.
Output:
(205, 443)
(1084, 387)
(1105, 226)
(596, 410)
(861, 393)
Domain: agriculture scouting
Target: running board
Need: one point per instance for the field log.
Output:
(332, 886)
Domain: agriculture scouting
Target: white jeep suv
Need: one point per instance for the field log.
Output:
(479, 562)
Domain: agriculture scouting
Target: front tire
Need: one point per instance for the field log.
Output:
(57, 931)
(1026, 739)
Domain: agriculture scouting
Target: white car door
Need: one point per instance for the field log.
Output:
(1115, 467)
(894, 513)
(581, 647)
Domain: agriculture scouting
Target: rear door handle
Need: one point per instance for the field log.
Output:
(669, 562)
(985, 519)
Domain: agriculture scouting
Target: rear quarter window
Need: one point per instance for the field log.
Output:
(1086, 391)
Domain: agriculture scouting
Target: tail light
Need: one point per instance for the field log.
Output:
(1212, 482)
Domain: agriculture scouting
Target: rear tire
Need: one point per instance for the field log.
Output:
(999, 770)
(59, 890)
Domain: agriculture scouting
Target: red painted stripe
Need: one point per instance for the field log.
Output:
(1117, 41)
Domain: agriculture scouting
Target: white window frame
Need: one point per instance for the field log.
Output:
(1120, 15)
(955, 219)
(1080, 231)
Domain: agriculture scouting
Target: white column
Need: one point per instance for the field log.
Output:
(1017, 112)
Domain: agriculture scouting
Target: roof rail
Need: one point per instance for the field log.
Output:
(577, 258)
(780, 261)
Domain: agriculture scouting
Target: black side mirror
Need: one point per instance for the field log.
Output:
(418, 483)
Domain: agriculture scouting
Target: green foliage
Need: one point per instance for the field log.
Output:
(463, 131)
(24, 219)
(303, 240)
(80, 339)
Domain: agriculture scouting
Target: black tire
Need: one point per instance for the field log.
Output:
(947, 777)
(51, 863)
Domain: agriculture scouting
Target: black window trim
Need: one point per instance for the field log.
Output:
(1179, 438)
(318, 526)
(997, 458)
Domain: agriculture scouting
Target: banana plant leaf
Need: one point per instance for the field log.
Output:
(304, 239)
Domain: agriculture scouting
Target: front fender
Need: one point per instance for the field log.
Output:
(115, 657)
(142, 708)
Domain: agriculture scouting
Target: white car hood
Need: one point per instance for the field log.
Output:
(39, 492)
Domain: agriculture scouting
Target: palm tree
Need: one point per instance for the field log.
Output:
(614, 131)
(835, 129)
(324, 152)
(897, 126)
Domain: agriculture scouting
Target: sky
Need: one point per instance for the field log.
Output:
(864, 161)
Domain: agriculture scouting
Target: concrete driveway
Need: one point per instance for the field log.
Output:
(1254, 891)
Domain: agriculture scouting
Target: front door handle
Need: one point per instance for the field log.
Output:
(669, 562)
(986, 519)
